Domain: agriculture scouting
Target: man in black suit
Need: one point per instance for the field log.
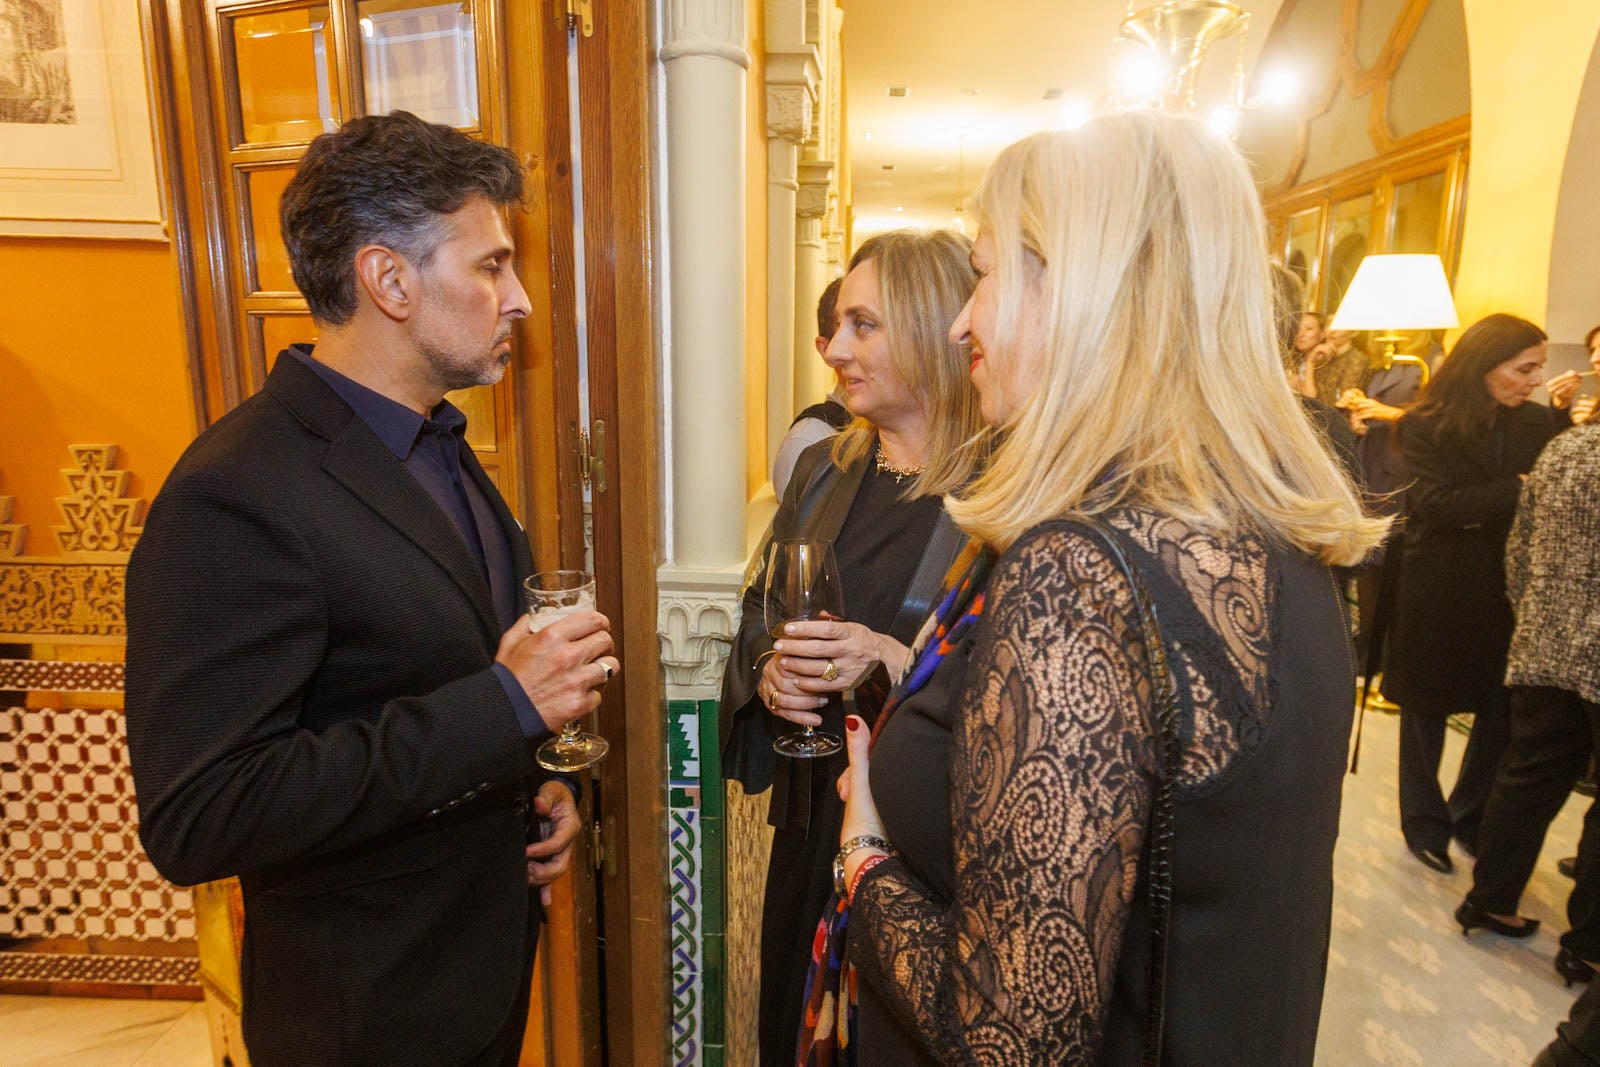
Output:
(331, 693)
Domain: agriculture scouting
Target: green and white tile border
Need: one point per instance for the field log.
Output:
(696, 623)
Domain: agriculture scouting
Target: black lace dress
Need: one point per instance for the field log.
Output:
(1012, 928)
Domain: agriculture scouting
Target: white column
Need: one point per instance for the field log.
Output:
(812, 379)
(705, 59)
(791, 92)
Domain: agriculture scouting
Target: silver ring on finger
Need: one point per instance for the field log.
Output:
(606, 671)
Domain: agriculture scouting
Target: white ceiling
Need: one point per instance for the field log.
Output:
(976, 74)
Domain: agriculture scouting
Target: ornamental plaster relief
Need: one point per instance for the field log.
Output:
(696, 632)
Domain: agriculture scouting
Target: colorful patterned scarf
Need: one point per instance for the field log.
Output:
(828, 1029)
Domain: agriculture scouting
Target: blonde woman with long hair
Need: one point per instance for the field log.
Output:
(1121, 338)
(874, 491)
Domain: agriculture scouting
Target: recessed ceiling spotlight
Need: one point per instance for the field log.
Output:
(888, 166)
(899, 207)
(898, 91)
(867, 135)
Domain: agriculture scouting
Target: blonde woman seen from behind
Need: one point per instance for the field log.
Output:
(1122, 339)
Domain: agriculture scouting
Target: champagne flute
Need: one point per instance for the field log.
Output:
(802, 585)
(552, 595)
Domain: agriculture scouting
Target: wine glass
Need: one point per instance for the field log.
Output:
(802, 584)
(552, 595)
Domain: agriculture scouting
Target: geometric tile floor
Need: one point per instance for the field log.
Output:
(1404, 987)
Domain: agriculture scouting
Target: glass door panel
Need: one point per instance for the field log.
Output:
(420, 57)
(286, 87)
(1300, 248)
(268, 259)
(1418, 212)
(1349, 239)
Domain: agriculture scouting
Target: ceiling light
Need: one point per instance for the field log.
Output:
(898, 208)
(1141, 75)
(1224, 120)
(1280, 87)
(867, 135)
(1075, 111)
(898, 91)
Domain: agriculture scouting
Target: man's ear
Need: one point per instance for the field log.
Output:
(387, 279)
(822, 346)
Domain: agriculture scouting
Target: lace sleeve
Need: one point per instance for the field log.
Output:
(1052, 767)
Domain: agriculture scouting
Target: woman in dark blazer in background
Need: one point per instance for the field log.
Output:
(1469, 442)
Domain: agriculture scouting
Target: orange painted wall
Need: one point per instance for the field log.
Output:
(91, 352)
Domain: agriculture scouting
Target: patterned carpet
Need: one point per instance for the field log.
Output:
(1404, 987)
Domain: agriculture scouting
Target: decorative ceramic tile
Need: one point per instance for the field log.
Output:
(73, 865)
(684, 850)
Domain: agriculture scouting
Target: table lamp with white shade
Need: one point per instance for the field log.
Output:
(1393, 293)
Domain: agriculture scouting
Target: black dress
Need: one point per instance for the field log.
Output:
(1011, 930)
(890, 562)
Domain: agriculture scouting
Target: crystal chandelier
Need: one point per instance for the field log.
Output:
(1177, 34)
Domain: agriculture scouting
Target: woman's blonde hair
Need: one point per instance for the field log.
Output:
(924, 279)
(1141, 237)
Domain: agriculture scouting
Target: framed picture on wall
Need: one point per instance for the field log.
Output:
(77, 151)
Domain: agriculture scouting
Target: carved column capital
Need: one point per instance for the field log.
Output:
(710, 28)
(789, 113)
(816, 179)
(697, 617)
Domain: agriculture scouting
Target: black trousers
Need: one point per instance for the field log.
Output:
(1553, 731)
(1427, 819)
(1577, 1042)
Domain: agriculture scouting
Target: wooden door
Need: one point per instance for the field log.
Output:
(264, 77)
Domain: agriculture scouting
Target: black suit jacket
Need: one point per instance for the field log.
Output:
(311, 707)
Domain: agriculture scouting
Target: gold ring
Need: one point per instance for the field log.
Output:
(830, 672)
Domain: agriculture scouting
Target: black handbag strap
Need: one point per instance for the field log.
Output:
(1159, 840)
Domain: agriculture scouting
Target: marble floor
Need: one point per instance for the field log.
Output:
(1404, 987)
(80, 1032)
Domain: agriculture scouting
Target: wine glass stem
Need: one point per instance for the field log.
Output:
(569, 732)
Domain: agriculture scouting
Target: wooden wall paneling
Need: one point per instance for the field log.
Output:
(166, 78)
(601, 251)
(634, 507)
(532, 46)
(215, 356)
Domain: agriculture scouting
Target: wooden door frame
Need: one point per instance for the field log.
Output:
(624, 373)
(618, 230)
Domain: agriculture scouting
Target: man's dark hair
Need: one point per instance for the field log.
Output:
(383, 180)
(828, 309)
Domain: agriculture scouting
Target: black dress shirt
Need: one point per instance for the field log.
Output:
(430, 447)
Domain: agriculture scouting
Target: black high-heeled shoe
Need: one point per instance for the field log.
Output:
(1571, 968)
(1471, 917)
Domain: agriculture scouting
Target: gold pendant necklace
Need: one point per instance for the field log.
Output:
(900, 473)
